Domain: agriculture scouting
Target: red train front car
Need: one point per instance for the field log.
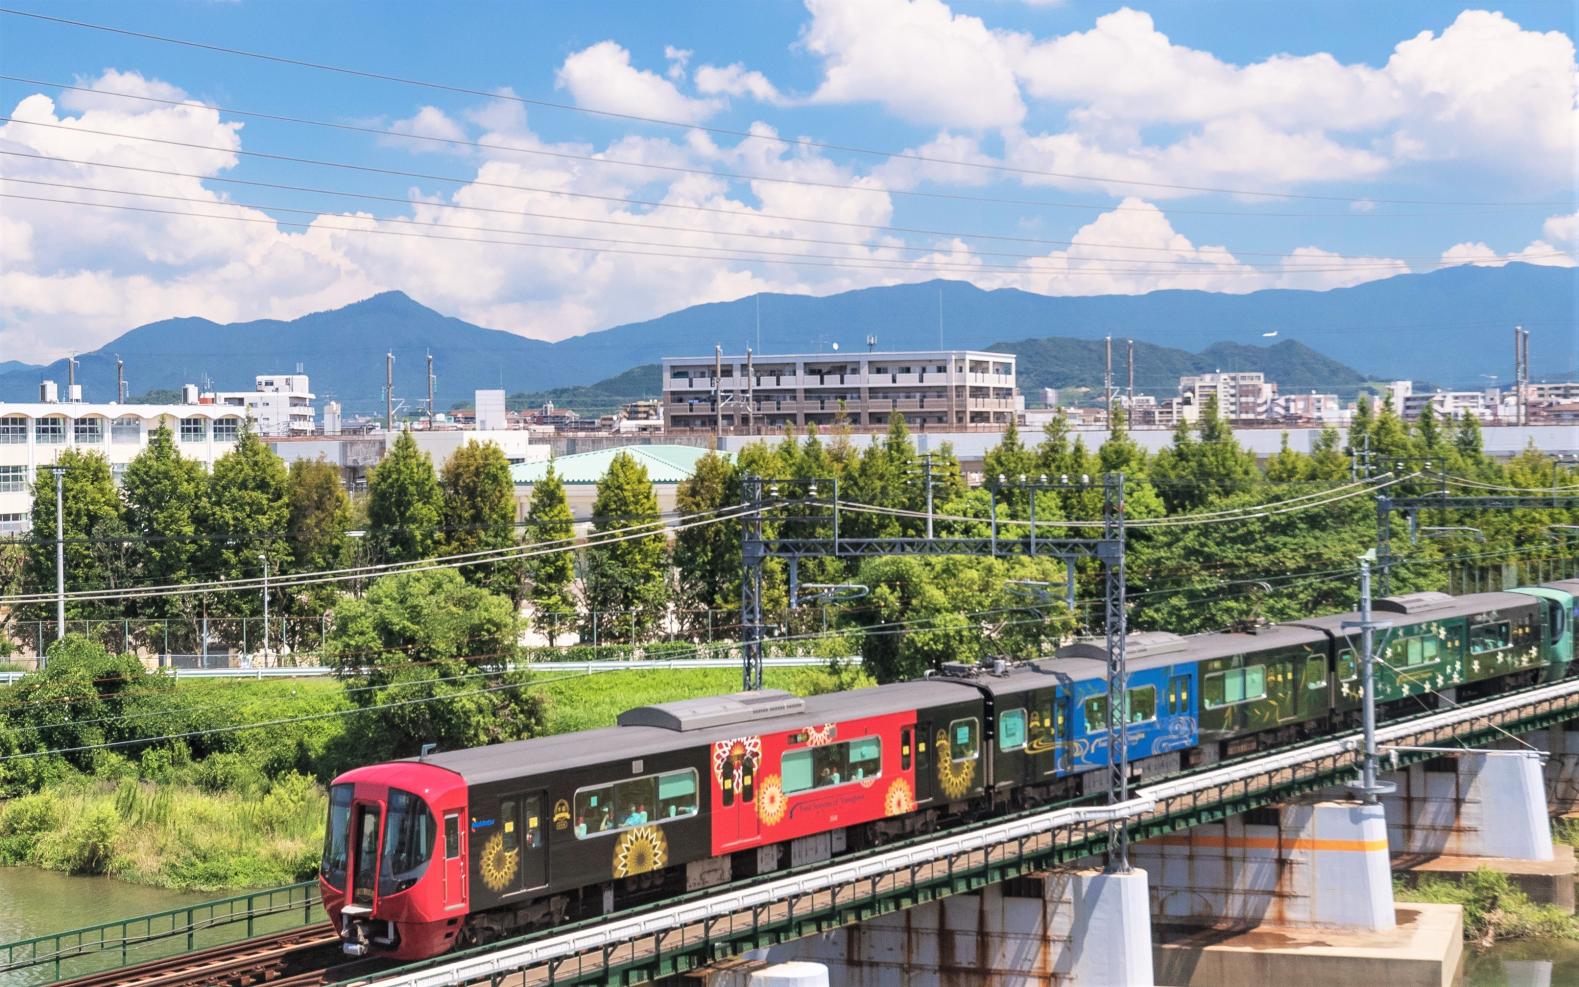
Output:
(394, 866)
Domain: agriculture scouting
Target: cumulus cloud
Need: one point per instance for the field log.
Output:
(1481, 255)
(601, 77)
(737, 80)
(917, 58)
(1563, 229)
(433, 127)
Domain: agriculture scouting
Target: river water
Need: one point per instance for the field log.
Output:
(37, 902)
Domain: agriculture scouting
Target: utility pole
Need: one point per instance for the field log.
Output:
(1107, 380)
(120, 381)
(1129, 363)
(718, 396)
(751, 392)
(265, 560)
(71, 377)
(1368, 788)
(928, 476)
(389, 392)
(430, 391)
(60, 554)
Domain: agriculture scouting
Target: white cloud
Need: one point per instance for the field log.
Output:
(677, 58)
(1485, 89)
(737, 80)
(1478, 253)
(428, 122)
(950, 160)
(1318, 269)
(917, 58)
(601, 77)
(1563, 229)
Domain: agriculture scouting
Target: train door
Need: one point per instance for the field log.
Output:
(454, 862)
(738, 822)
(1280, 689)
(521, 822)
(924, 779)
(364, 853)
(1063, 742)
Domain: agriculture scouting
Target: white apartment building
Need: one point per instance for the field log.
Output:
(279, 404)
(1312, 407)
(928, 387)
(33, 435)
(1241, 396)
(1452, 404)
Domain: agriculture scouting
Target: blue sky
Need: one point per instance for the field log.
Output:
(1088, 131)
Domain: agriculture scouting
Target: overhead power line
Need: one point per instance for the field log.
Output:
(1288, 265)
(599, 159)
(801, 142)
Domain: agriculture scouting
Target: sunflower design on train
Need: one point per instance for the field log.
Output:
(820, 736)
(954, 777)
(497, 864)
(640, 850)
(900, 799)
(771, 801)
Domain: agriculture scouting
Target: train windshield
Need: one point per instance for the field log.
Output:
(337, 837)
(408, 842)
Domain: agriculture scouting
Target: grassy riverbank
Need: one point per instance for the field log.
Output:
(1495, 910)
(249, 812)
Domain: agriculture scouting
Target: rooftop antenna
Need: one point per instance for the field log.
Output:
(120, 380)
(871, 342)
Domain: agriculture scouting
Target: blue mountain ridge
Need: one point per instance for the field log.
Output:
(1451, 326)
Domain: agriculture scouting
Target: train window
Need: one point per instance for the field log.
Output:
(1236, 685)
(337, 837)
(1142, 704)
(408, 841)
(452, 837)
(1348, 669)
(1315, 672)
(366, 868)
(623, 805)
(904, 749)
(963, 739)
(676, 794)
(1011, 730)
(831, 764)
(1096, 713)
(1488, 637)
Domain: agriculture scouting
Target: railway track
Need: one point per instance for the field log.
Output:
(295, 958)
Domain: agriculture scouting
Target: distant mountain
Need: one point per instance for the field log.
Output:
(1079, 363)
(1451, 326)
(7, 366)
(645, 381)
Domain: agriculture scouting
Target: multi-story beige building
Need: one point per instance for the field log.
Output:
(931, 387)
(1241, 396)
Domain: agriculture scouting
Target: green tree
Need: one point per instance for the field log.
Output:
(551, 575)
(626, 578)
(1194, 473)
(429, 655)
(1004, 465)
(1287, 466)
(97, 551)
(248, 514)
(404, 504)
(707, 557)
(318, 519)
(479, 514)
(166, 496)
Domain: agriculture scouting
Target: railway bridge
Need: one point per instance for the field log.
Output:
(1245, 871)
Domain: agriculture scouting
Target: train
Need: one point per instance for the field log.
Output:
(457, 848)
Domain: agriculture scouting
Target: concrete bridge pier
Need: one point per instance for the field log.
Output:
(1300, 892)
(1455, 814)
(1083, 927)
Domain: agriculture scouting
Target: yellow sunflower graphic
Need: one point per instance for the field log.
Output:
(771, 801)
(900, 799)
(640, 850)
(954, 777)
(498, 864)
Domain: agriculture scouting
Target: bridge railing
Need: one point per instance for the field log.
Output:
(238, 917)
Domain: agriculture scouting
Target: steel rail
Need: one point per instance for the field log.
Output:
(1275, 773)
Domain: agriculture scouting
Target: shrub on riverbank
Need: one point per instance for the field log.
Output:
(1494, 909)
(172, 836)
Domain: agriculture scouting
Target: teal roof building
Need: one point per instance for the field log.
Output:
(666, 464)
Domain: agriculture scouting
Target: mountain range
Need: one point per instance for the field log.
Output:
(1451, 326)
